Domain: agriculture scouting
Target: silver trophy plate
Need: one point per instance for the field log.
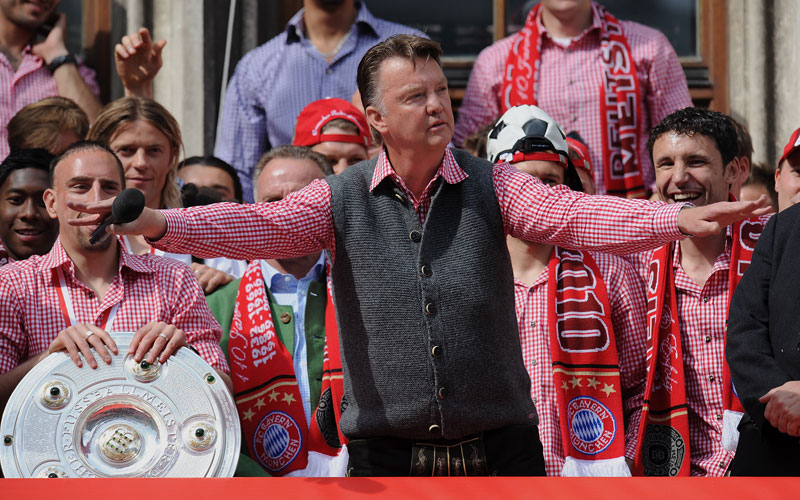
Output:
(126, 419)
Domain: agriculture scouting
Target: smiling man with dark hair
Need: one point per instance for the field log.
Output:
(25, 226)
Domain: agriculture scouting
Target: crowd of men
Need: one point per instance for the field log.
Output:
(579, 294)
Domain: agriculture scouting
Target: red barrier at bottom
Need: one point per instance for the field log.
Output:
(412, 488)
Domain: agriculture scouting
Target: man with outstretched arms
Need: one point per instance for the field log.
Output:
(410, 233)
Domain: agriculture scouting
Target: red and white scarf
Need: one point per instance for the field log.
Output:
(664, 443)
(619, 96)
(266, 389)
(585, 367)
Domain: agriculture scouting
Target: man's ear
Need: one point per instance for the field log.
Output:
(737, 171)
(376, 119)
(50, 202)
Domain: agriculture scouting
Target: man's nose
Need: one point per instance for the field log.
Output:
(434, 104)
(29, 209)
(139, 158)
(340, 166)
(680, 174)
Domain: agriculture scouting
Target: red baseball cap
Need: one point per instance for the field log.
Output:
(316, 115)
(583, 152)
(791, 146)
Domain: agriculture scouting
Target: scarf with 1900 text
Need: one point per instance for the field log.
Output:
(620, 109)
(266, 389)
(585, 367)
(664, 432)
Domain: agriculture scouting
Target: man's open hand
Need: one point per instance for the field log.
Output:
(714, 218)
(138, 60)
(80, 339)
(156, 340)
(151, 223)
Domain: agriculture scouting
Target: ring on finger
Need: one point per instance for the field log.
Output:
(89, 333)
(163, 337)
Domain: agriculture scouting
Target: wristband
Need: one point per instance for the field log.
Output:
(61, 60)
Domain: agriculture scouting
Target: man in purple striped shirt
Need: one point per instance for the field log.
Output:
(315, 57)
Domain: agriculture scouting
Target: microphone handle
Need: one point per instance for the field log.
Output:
(99, 233)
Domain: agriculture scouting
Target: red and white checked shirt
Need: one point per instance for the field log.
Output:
(147, 287)
(302, 223)
(628, 311)
(569, 88)
(702, 312)
(30, 83)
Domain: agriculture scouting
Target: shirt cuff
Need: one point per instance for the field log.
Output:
(176, 230)
(212, 354)
(665, 222)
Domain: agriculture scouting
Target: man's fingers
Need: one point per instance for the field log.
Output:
(102, 343)
(100, 347)
(133, 347)
(96, 207)
(162, 336)
(766, 397)
(128, 44)
(144, 36)
(121, 52)
(89, 220)
(72, 351)
(217, 280)
(177, 338)
(80, 339)
(136, 40)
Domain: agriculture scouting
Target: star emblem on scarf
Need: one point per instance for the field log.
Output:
(288, 398)
(593, 383)
(273, 396)
(576, 382)
(564, 385)
(608, 389)
(248, 415)
(260, 402)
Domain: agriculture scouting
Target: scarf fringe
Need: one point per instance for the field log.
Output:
(322, 465)
(612, 467)
(730, 429)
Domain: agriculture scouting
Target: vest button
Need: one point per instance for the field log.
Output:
(430, 308)
(425, 270)
(285, 317)
(436, 351)
(434, 429)
(415, 236)
(442, 392)
(399, 197)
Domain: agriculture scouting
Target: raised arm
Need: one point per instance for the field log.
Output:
(69, 81)
(297, 225)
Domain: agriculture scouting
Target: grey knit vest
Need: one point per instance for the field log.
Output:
(430, 346)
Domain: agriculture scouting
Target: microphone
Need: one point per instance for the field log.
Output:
(127, 206)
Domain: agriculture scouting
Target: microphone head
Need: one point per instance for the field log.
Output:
(127, 206)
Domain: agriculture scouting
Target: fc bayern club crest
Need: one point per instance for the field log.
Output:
(277, 441)
(592, 425)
